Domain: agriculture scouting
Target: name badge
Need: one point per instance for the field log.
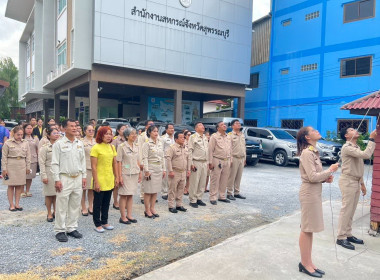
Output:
(127, 166)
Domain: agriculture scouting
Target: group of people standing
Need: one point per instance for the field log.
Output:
(80, 175)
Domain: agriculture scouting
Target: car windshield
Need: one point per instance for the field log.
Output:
(114, 124)
(280, 134)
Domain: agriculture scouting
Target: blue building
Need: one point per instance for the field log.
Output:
(311, 57)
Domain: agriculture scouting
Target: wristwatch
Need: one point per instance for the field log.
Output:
(371, 139)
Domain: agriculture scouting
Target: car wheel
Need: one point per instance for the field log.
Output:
(280, 158)
(253, 162)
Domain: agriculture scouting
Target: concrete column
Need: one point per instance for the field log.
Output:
(178, 106)
(93, 96)
(46, 112)
(144, 107)
(57, 107)
(71, 104)
(241, 105)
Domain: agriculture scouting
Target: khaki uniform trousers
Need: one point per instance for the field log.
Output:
(68, 203)
(219, 178)
(165, 184)
(350, 189)
(236, 172)
(197, 181)
(176, 188)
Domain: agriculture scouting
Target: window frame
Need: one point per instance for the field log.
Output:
(354, 58)
(359, 18)
(250, 80)
(352, 124)
(286, 22)
(59, 12)
(292, 120)
(64, 43)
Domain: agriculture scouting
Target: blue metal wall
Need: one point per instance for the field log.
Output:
(314, 96)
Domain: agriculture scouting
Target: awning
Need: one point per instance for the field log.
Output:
(361, 106)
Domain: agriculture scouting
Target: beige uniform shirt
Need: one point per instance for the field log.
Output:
(15, 149)
(141, 140)
(219, 146)
(129, 158)
(237, 144)
(42, 142)
(198, 148)
(117, 141)
(44, 159)
(177, 158)
(167, 141)
(33, 145)
(87, 144)
(352, 159)
(153, 152)
(311, 167)
(68, 158)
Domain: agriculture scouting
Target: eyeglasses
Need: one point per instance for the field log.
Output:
(90, 130)
(188, 134)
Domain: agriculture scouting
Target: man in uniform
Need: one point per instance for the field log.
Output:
(141, 140)
(178, 166)
(219, 151)
(167, 140)
(68, 166)
(198, 157)
(238, 160)
(351, 182)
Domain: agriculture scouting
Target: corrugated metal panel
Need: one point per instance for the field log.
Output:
(260, 41)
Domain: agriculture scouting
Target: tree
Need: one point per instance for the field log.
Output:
(9, 73)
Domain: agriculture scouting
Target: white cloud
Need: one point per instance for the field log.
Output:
(10, 33)
(260, 8)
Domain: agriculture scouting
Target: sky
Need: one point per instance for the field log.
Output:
(11, 30)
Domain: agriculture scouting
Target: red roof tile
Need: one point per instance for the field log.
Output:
(370, 101)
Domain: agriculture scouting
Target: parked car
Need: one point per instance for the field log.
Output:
(10, 124)
(329, 151)
(277, 144)
(208, 122)
(114, 122)
(141, 124)
(177, 127)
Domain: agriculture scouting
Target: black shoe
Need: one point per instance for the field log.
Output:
(224, 200)
(127, 222)
(142, 201)
(301, 268)
(183, 209)
(61, 237)
(19, 208)
(239, 196)
(345, 244)
(320, 271)
(50, 220)
(114, 207)
(132, 220)
(230, 197)
(156, 200)
(172, 210)
(89, 212)
(355, 240)
(165, 197)
(75, 234)
(84, 214)
(156, 215)
(150, 217)
(201, 203)
(186, 194)
(213, 202)
(194, 205)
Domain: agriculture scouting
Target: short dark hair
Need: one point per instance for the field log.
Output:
(119, 126)
(39, 119)
(195, 125)
(66, 121)
(150, 129)
(167, 125)
(234, 121)
(146, 122)
(178, 133)
(105, 124)
(343, 132)
(217, 124)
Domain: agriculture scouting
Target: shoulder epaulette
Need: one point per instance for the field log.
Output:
(193, 135)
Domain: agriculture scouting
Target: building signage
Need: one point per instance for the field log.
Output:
(185, 3)
(185, 23)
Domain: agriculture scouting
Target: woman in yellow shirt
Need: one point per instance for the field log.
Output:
(103, 157)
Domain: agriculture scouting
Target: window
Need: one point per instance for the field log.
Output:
(250, 123)
(61, 4)
(61, 53)
(32, 81)
(312, 16)
(286, 22)
(359, 66)
(32, 43)
(260, 133)
(284, 71)
(72, 47)
(27, 52)
(27, 84)
(254, 81)
(354, 124)
(309, 67)
(292, 124)
(359, 10)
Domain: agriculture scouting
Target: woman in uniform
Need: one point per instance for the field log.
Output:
(16, 165)
(88, 142)
(187, 134)
(103, 158)
(33, 145)
(310, 195)
(47, 178)
(154, 170)
(118, 139)
(129, 174)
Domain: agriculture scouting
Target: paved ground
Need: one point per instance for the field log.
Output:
(132, 250)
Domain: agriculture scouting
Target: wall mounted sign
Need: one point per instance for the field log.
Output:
(185, 3)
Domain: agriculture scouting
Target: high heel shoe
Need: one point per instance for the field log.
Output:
(319, 271)
(150, 217)
(312, 274)
(156, 215)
